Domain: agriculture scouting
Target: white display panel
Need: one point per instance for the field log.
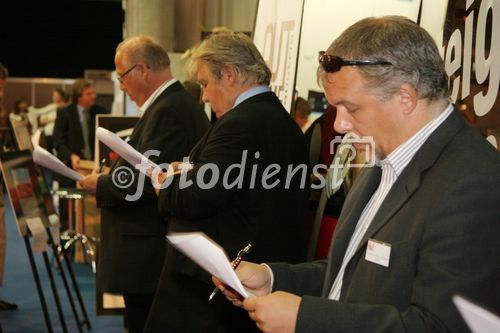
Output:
(276, 35)
(325, 20)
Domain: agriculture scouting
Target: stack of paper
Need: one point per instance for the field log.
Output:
(209, 255)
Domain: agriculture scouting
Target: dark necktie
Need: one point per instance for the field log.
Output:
(87, 154)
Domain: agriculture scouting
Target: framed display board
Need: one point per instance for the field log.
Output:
(29, 195)
(22, 135)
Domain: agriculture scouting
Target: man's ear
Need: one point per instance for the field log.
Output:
(407, 98)
(229, 74)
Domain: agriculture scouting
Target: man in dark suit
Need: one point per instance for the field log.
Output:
(74, 129)
(245, 197)
(132, 231)
(419, 226)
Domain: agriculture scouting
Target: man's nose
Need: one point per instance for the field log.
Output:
(341, 124)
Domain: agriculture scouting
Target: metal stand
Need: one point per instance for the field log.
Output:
(38, 284)
(76, 223)
(54, 292)
(66, 286)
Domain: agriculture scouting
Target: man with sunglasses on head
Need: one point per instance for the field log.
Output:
(418, 226)
(132, 244)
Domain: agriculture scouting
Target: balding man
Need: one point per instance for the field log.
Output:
(133, 233)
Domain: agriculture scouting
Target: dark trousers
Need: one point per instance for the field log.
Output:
(136, 310)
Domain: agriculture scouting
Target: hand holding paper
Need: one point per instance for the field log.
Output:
(209, 255)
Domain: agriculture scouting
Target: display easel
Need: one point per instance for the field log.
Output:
(31, 199)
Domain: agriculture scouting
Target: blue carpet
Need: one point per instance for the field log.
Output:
(19, 287)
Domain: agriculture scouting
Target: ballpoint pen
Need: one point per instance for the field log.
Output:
(102, 164)
(234, 265)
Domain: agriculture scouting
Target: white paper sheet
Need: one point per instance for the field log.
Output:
(39, 243)
(46, 159)
(126, 151)
(209, 255)
(477, 318)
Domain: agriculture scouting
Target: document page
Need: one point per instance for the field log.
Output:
(126, 151)
(44, 158)
(209, 255)
(477, 318)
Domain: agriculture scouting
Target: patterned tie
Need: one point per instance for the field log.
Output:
(85, 129)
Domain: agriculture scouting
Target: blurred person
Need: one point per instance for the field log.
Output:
(4, 305)
(132, 246)
(74, 128)
(46, 116)
(253, 131)
(20, 113)
(418, 226)
(301, 113)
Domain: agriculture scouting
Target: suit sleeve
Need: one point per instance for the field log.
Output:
(301, 279)
(200, 193)
(459, 245)
(60, 136)
(165, 138)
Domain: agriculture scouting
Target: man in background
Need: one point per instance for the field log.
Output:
(4, 305)
(74, 129)
(132, 247)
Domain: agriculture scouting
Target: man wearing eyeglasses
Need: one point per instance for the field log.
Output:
(419, 226)
(132, 232)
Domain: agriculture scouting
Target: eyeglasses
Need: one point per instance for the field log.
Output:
(127, 72)
(332, 63)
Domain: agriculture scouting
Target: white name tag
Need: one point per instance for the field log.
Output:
(378, 252)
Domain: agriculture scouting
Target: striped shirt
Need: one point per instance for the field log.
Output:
(392, 166)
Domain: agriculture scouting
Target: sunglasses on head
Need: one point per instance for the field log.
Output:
(332, 63)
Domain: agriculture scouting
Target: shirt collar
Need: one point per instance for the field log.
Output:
(155, 95)
(402, 155)
(250, 93)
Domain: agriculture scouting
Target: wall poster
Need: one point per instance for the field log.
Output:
(471, 39)
(276, 35)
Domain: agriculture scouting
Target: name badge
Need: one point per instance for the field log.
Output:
(378, 252)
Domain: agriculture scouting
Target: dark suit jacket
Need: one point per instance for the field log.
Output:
(442, 219)
(272, 220)
(68, 135)
(132, 232)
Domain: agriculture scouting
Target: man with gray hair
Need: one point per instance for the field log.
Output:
(132, 245)
(419, 226)
(244, 197)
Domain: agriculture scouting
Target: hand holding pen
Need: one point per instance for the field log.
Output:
(234, 265)
(103, 161)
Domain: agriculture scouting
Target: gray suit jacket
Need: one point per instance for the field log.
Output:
(442, 218)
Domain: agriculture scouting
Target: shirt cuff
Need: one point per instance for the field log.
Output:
(272, 275)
